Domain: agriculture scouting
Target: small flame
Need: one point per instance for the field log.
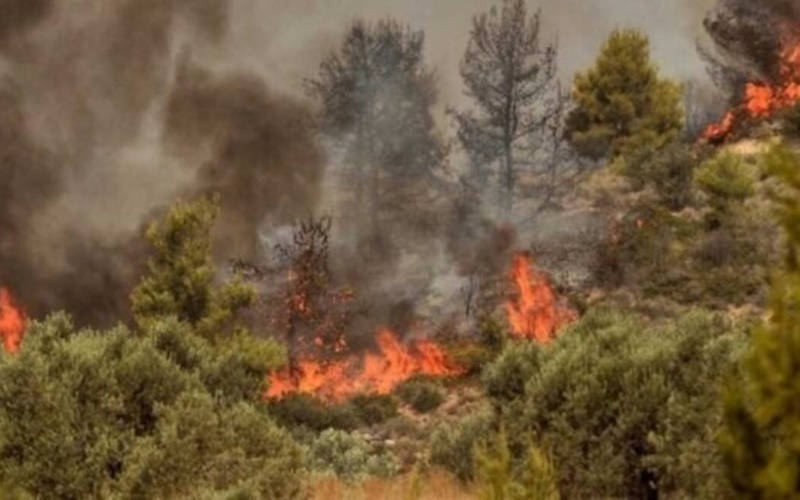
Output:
(537, 314)
(373, 373)
(12, 322)
(762, 100)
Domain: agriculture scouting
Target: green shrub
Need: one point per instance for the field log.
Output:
(199, 446)
(761, 440)
(671, 173)
(99, 414)
(469, 355)
(791, 122)
(629, 408)
(421, 394)
(349, 456)
(374, 409)
(452, 445)
(500, 479)
(727, 182)
(304, 410)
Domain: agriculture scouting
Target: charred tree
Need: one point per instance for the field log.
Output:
(377, 95)
(314, 311)
(510, 76)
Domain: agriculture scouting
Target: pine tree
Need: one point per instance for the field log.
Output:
(510, 76)
(181, 275)
(622, 102)
(762, 439)
(377, 97)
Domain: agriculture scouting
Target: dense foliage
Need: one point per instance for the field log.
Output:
(86, 413)
(628, 407)
(181, 278)
(622, 101)
(629, 401)
(762, 444)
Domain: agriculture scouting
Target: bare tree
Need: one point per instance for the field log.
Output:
(377, 95)
(304, 301)
(511, 77)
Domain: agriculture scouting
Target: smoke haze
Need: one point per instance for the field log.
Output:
(111, 109)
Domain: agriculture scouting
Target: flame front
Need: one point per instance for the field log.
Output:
(537, 314)
(12, 322)
(762, 100)
(372, 373)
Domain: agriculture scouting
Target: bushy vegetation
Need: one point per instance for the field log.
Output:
(630, 401)
(169, 409)
(88, 413)
(762, 414)
(452, 445)
(715, 255)
(422, 395)
(500, 479)
(628, 407)
(308, 412)
(349, 456)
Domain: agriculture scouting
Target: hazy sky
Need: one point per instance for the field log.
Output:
(286, 39)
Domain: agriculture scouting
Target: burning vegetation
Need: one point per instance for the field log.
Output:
(537, 313)
(325, 352)
(763, 99)
(758, 60)
(12, 322)
(376, 372)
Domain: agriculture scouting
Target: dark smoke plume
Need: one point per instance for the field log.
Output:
(99, 133)
(19, 15)
(262, 158)
(749, 36)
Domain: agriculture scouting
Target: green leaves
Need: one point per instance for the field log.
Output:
(762, 437)
(181, 273)
(160, 413)
(622, 97)
(626, 406)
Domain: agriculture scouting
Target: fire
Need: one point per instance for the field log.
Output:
(762, 100)
(537, 314)
(373, 372)
(12, 322)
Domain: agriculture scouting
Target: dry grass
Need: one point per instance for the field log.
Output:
(436, 485)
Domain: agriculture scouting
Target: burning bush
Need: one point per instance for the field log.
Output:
(379, 372)
(538, 313)
(12, 322)
(758, 60)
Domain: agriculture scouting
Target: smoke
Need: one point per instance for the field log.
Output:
(749, 38)
(111, 110)
(258, 153)
(98, 105)
(291, 50)
(18, 15)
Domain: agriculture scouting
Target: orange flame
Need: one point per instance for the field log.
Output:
(12, 322)
(374, 372)
(762, 100)
(537, 314)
